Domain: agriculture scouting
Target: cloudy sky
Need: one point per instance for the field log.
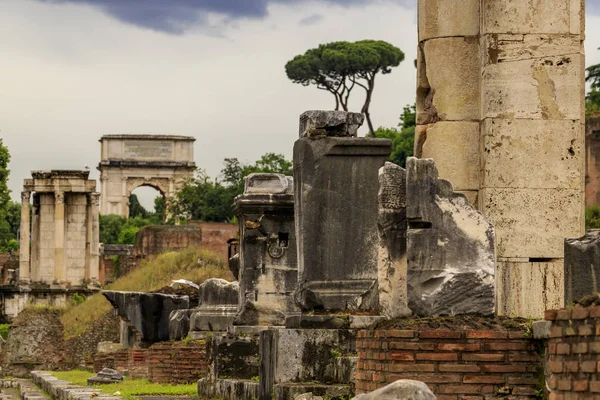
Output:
(73, 70)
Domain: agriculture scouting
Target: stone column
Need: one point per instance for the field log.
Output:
(35, 238)
(448, 94)
(335, 200)
(60, 270)
(532, 183)
(24, 274)
(93, 221)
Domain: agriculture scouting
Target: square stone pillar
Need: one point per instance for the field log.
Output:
(268, 273)
(24, 274)
(336, 208)
(60, 267)
(93, 232)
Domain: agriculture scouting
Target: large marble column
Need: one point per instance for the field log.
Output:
(24, 274)
(93, 221)
(35, 238)
(60, 270)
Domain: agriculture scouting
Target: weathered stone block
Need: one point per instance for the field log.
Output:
(526, 17)
(297, 355)
(330, 123)
(445, 18)
(179, 324)
(527, 289)
(392, 225)
(507, 47)
(531, 223)
(518, 154)
(268, 184)
(453, 76)
(547, 88)
(455, 147)
(336, 185)
(401, 389)
(451, 254)
(218, 305)
(582, 266)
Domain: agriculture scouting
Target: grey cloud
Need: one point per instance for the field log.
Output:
(311, 19)
(176, 16)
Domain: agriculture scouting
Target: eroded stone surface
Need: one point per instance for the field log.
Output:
(447, 18)
(268, 183)
(582, 266)
(218, 305)
(106, 375)
(451, 254)
(401, 389)
(336, 185)
(329, 123)
(392, 225)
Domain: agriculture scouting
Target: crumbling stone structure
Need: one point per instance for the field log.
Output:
(64, 229)
(500, 109)
(163, 162)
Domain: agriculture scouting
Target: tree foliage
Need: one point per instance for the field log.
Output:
(206, 199)
(592, 100)
(339, 67)
(10, 212)
(403, 138)
(115, 229)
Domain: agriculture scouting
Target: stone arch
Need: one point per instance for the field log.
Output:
(163, 162)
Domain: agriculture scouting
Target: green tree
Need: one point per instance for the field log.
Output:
(339, 67)
(203, 198)
(159, 207)
(403, 138)
(136, 209)
(7, 233)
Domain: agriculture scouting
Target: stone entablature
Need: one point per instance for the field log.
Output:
(64, 228)
(127, 162)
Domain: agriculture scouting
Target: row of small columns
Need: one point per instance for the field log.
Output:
(60, 267)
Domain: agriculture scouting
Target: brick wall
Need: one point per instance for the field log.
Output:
(573, 367)
(164, 362)
(454, 364)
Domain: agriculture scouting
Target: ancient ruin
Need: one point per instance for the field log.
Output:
(163, 162)
(500, 109)
(64, 229)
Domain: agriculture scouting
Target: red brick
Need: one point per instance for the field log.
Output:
(493, 379)
(397, 333)
(522, 357)
(459, 346)
(564, 384)
(595, 386)
(594, 312)
(517, 380)
(563, 314)
(447, 397)
(555, 396)
(563, 348)
(588, 366)
(570, 331)
(523, 391)
(550, 315)
(585, 330)
(459, 368)
(486, 335)
(412, 346)
(439, 334)
(551, 381)
(580, 348)
(597, 330)
(579, 313)
(495, 346)
(402, 356)
(412, 367)
(580, 386)
(556, 331)
(437, 378)
(483, 357)
(437, 356)
(516, 335)
(460, 389)
(504, 368)
(552, 348)
(571, 366)
(594, 347)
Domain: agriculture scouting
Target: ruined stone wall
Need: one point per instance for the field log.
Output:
(164, 362)
(156, 239)
(80, 349)
(453, 363)
(572, 369)
(215, 236)
(500, 109)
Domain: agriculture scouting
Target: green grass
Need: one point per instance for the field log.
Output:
(192, 264)
(130, 388)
